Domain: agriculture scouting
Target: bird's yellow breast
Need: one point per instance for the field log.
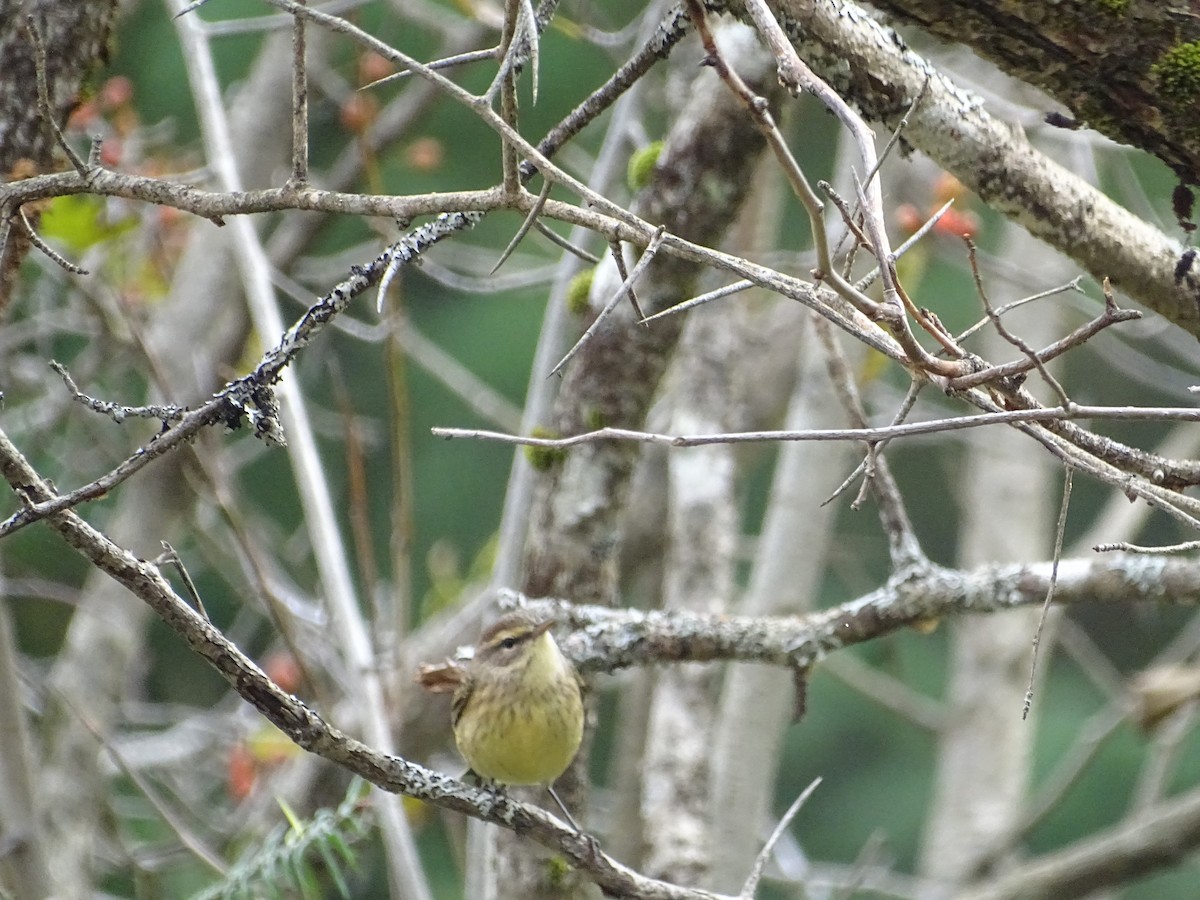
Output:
(525, 727)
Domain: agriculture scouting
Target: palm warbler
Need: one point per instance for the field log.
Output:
(518, 714)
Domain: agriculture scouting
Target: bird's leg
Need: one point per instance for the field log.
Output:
(570, 819)
(593, 844)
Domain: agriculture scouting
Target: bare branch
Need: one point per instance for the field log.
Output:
(252, 395)
(877, 433)
(312, 732)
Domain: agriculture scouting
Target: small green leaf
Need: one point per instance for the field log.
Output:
(80, 222)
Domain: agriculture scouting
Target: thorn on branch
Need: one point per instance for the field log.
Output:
(530, 221)
(171, 557)
(647, 255)
(622, 270)
(800, 676)
(189, 8)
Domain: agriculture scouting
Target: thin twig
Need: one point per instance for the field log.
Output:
(1155, 776)
(1058, 542)
(55, 256)
(1126, 547)
(1081, 649)
(888, 692)
(874, 433)
(847, 214)
(43, 95)
(187, 837)
(191, 7)
(1035, 358)
(299, 103)
(506, 80)
(447, 62)
(170, 556)
(883, 155)
(1027, 420)
(797, 76)
(528, 29)
(519, 23)
(115, 411)
(897, 131)
(759, 110)
(673, 29)
(902, 540)
(250, 397)
(869, 279)
(906, 406)
(760, 861)
(1072, 285)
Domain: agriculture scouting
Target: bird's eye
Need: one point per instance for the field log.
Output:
(508, 643)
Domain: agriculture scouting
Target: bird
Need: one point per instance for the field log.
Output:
(517, 711)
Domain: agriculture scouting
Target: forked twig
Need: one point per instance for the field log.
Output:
(1001, 330)
(1112, 315)
(1072, 285)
